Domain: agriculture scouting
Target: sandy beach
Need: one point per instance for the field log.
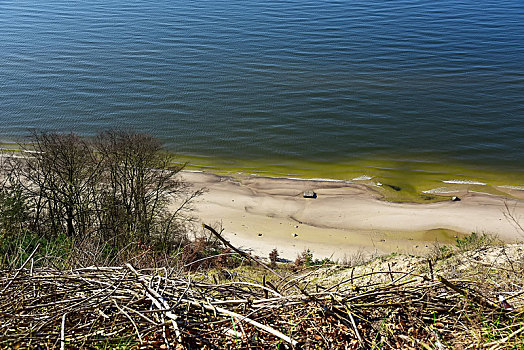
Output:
(346, 219)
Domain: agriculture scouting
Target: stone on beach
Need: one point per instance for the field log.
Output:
(310, 194)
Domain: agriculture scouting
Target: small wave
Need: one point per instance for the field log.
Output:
(363, 178)
(311, 179)
(518, 188)
(439, 190)
(319, 180)
(464, 182)
(283, 177)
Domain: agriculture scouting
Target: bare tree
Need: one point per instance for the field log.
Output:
(120, 191)
(140, 182)
(60, 177)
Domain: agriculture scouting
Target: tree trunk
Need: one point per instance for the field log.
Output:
(69, 220)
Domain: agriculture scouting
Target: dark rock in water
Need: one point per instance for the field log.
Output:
(310, 194)
(396, 188)
(455, 199)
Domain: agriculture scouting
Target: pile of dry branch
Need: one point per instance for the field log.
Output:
(100, 307)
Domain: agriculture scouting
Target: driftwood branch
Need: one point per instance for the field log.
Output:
(385, 308)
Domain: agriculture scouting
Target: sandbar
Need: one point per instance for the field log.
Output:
(258, 214)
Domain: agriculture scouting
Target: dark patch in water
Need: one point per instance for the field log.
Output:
(396, 188)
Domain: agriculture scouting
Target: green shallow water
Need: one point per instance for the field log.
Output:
(406, 180)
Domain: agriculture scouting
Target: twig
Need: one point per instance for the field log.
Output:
(476, 298)
(130, 319)
(159, 302)
(504, 340)
(62, 332)
(357, 333)
(245, 319)
(21, 268)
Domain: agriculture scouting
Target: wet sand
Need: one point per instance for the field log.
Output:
(346, 219)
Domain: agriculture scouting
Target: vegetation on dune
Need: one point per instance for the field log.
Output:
(395, 302)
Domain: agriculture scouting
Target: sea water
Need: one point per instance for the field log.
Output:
(405, 89)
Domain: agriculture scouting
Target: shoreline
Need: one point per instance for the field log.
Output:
(350, 217)
(347, 219)
(419, 179)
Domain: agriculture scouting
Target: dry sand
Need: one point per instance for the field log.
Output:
(346, 219)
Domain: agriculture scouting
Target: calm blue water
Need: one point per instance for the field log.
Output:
(318, 80)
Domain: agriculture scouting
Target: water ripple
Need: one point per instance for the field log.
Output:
(303, 79)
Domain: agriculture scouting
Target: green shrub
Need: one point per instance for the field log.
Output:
(13, 210)
(474, 241)
(306, 259)
(16, 249)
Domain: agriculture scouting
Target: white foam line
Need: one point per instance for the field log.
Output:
(439, 190)
(311, 179)
(518, 188)
(363, 178)
(464, 182)
(283, 178)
